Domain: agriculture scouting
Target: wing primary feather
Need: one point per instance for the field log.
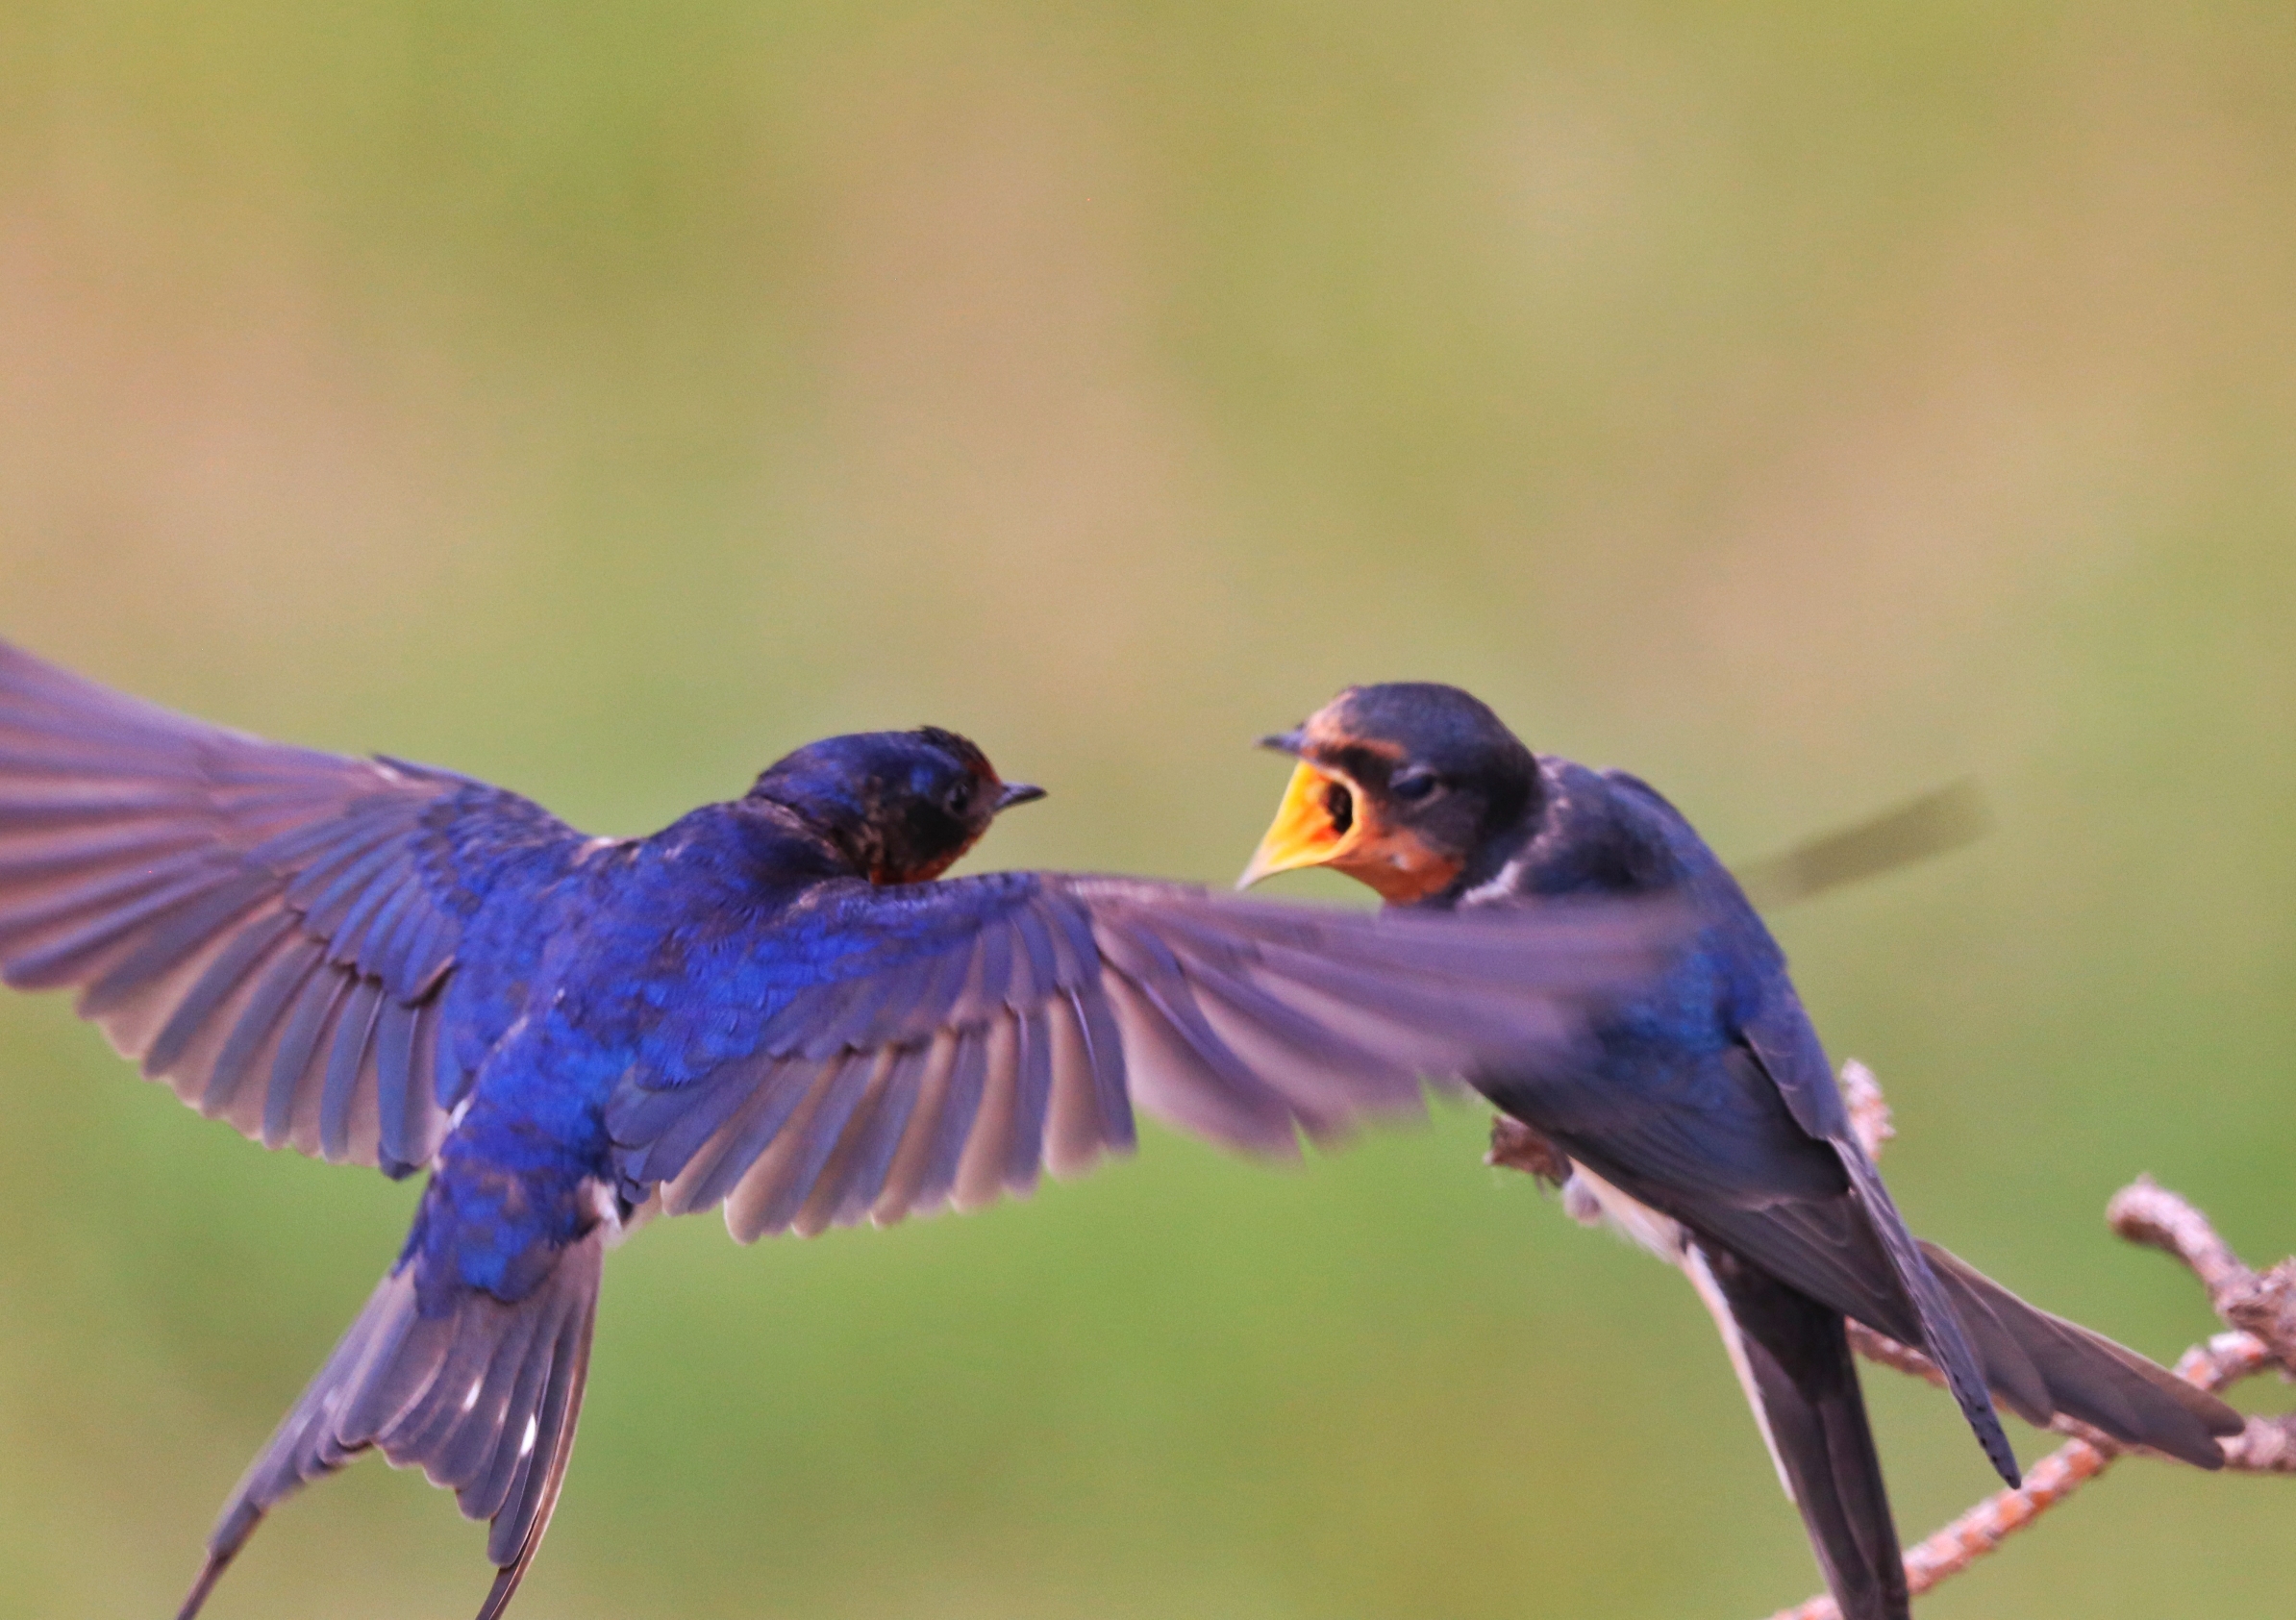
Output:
(809, 1149)
(216, 986)
(749, 1134)
(89, 799)
(827, 1194)
(1308, 1038)
(1156, 976)
(305, 856)
(1467, 1020)
(93, 919)
(865, 1179)
(1104, 1050)
(1170, 1076)
(173, 941)
(1074, 1135)
(968, 1069)
(253, 1035)
(345, 1055)
(161, 866)
(425, 1119)
(135, 849)
(1032, 1080)
(395, 1101)
(309, 1023)
(981, 1168)
(911, 1161)
(310, 859)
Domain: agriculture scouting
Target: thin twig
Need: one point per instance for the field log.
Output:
(2266, 1446)
(1981, 1529)
(2263, 1305)
(2146, 1212)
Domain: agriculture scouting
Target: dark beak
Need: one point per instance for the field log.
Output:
(1289, 742)
(1019, 793)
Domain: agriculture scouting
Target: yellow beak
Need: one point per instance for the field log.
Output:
(1302, 835)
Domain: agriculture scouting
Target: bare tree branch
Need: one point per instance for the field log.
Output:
(2259, 1307)
(2265, 1306)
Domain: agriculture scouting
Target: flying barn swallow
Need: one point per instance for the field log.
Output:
(1703, 1116)
(769, 1005)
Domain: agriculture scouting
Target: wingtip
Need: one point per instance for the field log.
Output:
(1995, 1442)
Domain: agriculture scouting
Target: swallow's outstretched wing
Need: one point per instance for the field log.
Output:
(269, 929)
(954, 1039)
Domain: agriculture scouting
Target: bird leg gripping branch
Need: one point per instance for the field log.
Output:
(2257, 1308)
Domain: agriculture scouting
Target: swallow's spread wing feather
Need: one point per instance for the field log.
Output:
(957, 1037)
(267, 928)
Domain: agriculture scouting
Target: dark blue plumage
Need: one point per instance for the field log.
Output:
(767, 1005)
(1701, 1114)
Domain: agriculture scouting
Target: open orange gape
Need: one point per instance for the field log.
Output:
(1325, 819)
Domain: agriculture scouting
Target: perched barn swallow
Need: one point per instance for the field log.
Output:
(769, 1005)
(1703, 1116)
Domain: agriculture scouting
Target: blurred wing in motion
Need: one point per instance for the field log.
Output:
(1041, 1007)
(267, 928)
(1934, 824)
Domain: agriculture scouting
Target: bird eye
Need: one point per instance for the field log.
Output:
(1339, 805)
(960, 796)
(1411, 784)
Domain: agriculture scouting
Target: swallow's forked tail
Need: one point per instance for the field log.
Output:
(1792, 1355)
(484, 1396)
(2041, 1366)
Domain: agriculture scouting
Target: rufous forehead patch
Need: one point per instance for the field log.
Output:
(1328, 731)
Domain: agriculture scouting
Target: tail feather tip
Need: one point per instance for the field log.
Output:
(210, 1573)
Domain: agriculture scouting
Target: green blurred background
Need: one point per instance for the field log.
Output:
(1800, 406)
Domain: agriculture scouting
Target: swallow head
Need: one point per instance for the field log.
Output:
(901, 806)
(1398, 786)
